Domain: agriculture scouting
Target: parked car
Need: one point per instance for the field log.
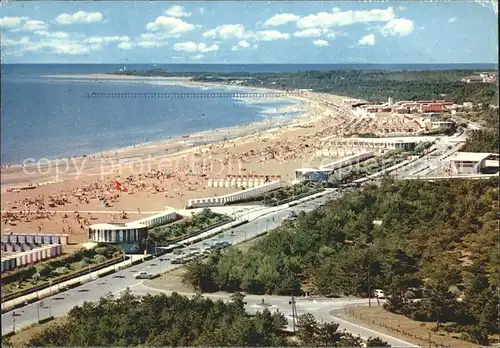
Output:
(379, 293)
(207, 250)
(142, 275)
(176, 260)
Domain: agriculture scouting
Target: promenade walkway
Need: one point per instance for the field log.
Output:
(240, 213)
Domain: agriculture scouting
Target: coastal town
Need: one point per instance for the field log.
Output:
(332, 128)
(250, 174)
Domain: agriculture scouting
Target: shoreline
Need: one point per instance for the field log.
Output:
(274, 119)
(165, 174)
(299, 108)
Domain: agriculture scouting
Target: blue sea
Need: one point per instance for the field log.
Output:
(45, 117)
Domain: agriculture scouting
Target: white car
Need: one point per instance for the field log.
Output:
(142, 275)
(379, 293)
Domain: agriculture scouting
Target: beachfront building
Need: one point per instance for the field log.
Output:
(404, 143)
(117, 233)
(312, 174)
(129, 235)
(242, 181)
(471, 162)
(239, 196)
(158, 219)
(347, 161)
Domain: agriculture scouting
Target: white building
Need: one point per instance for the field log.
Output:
(406, 143)
(129, 232)
(117, 233)
(467, 162)
(233, 197)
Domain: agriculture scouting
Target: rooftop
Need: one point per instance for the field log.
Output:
(311, 170)
(394, 139)
(469, 156)
(117, 226)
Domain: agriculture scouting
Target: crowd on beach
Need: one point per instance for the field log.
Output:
(189, 173)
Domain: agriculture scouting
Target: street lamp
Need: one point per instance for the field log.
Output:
(50, 298)
(294, 311)
(38, 311)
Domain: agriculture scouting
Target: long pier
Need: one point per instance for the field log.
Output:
(125, 95)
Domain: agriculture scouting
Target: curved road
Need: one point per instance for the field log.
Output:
(116, 283)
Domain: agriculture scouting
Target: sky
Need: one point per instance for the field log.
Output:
(240, 32)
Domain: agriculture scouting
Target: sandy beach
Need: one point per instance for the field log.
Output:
(161, 174)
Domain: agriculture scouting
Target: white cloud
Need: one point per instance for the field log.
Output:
(62, 43)
(452, 19)
(238, 31)
(125, 45)
(201, 10)
(170, 25)
(241, 44)
(152, 36)
(21, 42)
(53, 35)
(151, 44)
(177, 11)
(10, 22)
(149, 40)
(32, 25)
(197, 57)
(343, 18)
(398, 27)
(226, 31)
(270, 35)
(192, 47)
(311, 32)
(61, 47)
(105, 39)
(320, 43)
(335, 9)
(401, 8)
(280, 19)
(79, 17)
(367, 40)
(334, 34)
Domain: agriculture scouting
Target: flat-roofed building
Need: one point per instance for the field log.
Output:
(117, 233)
(406, 143)
(468, 162)
(312, 174)
(129, 235)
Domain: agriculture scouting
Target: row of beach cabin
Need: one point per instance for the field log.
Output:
(243, 195)
(28, 238)
(247, 181)
(28, 258)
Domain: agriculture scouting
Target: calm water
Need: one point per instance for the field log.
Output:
(47, 117)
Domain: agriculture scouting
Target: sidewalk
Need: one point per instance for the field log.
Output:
(252, 213)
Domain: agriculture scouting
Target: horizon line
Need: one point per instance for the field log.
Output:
(144, 63)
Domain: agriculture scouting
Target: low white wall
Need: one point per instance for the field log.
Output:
(158, 219)
(234, 197)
